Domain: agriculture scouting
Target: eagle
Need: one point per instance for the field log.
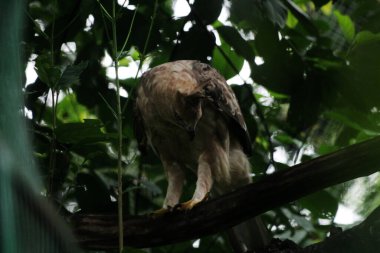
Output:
(190, 117)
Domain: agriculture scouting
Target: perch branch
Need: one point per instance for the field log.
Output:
(95, 231)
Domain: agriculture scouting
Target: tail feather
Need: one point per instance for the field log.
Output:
(251, 235)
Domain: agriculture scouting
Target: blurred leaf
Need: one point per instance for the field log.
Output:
(362, 76)
(220, 62)
(275, 11)
(301, 221)
(309, 98)
(208, 11)
(304, 223)
(48, 73)
(321, 204)
(231, 36)
(320, 3)
(366, 37)
(285, 139)
(87, 132)
(346, 25)
(125, 61)
(356, 120)
(302, 17)
(69, 110)
(97, 154)
(71, 75)
(196, 44)
(291, 21)
(327, 8)
(253, 14)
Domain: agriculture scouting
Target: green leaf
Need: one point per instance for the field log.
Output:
(87, 132)
(124, 61)
(291, 21)
(305, 224)
(251, 15)
(365, 37)
(320, 3)
(321, 204)
(71, 75)
(231, 36)
(303, 19)
(69, 110)
(276, 11)
(346, 25)
(362, 76)
(48, 73)
(208, 11)
(222, 65)
(356, 120)
(196, 44)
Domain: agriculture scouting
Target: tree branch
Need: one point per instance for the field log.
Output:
(95, 231)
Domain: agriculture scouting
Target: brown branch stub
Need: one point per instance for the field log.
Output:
(100, 231)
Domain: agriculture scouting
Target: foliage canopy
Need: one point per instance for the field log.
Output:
(313, 88)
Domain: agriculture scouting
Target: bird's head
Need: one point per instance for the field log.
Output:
(188, 110)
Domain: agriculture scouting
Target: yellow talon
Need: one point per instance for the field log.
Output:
(188, 205)
(160, 212)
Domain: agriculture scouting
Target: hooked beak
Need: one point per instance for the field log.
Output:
(189, 129)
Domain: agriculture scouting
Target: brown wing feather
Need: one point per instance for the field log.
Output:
(220, 94)
(138, 122)
(138, 127)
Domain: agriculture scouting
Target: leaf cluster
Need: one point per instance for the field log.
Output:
(313, 88)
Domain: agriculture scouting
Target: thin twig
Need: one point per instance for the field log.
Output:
(108, 105)
(120, 133)
(129, 32)
(68, 25)
(121, 8)
(104, 21)
(142, 58)
(37, 26)
(104, 11)
(54, 114)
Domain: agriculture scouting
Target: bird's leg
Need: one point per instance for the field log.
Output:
(176, 180)
(203, 186)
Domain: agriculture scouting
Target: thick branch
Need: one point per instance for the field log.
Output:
(100, 231)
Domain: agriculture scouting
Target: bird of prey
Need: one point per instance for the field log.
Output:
(189, 116)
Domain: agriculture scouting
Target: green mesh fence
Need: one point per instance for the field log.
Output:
(27, 223)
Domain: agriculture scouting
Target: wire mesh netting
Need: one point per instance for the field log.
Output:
(27, 222)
